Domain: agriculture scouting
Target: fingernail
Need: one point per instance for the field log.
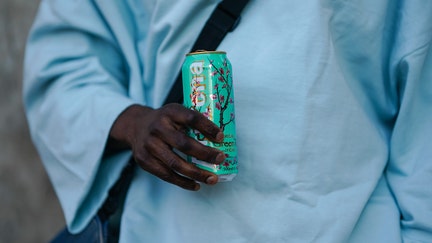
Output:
(220, 136)
(220, 158)
(211, 180)
(197, 187)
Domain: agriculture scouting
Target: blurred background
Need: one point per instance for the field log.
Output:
(29, 209)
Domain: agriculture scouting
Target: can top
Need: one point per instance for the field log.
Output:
(205, 52)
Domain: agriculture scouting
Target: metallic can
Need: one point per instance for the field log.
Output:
(208, 88)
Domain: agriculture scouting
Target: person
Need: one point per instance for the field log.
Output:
(333, 117)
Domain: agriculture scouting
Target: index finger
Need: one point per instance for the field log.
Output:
(199, 122)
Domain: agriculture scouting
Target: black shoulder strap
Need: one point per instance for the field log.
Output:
(224, 19)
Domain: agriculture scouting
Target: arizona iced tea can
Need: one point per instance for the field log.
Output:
(208, 88)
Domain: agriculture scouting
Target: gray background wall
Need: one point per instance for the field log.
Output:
(29, 210)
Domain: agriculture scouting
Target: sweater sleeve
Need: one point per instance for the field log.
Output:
(75, 86)
(409, 171)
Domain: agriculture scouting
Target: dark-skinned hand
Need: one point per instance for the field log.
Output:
(152, 134)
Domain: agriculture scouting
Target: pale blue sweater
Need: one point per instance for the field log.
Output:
(333, 113)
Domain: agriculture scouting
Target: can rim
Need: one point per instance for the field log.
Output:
(204, 52)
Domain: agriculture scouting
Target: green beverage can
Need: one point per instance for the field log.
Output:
(208, 88)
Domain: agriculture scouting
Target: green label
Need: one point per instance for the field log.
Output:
(207, 86)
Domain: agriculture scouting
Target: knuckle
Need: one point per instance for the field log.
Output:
(191, 116)
(140, 156)
(212, 128)
(173, 163)
(208, 154)
(155, 128)
(169, 106)
(193, 172)
(198, 174)
(183, 144)
(169, 109)
(165, 175)
(149, 145)
(176, 166)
